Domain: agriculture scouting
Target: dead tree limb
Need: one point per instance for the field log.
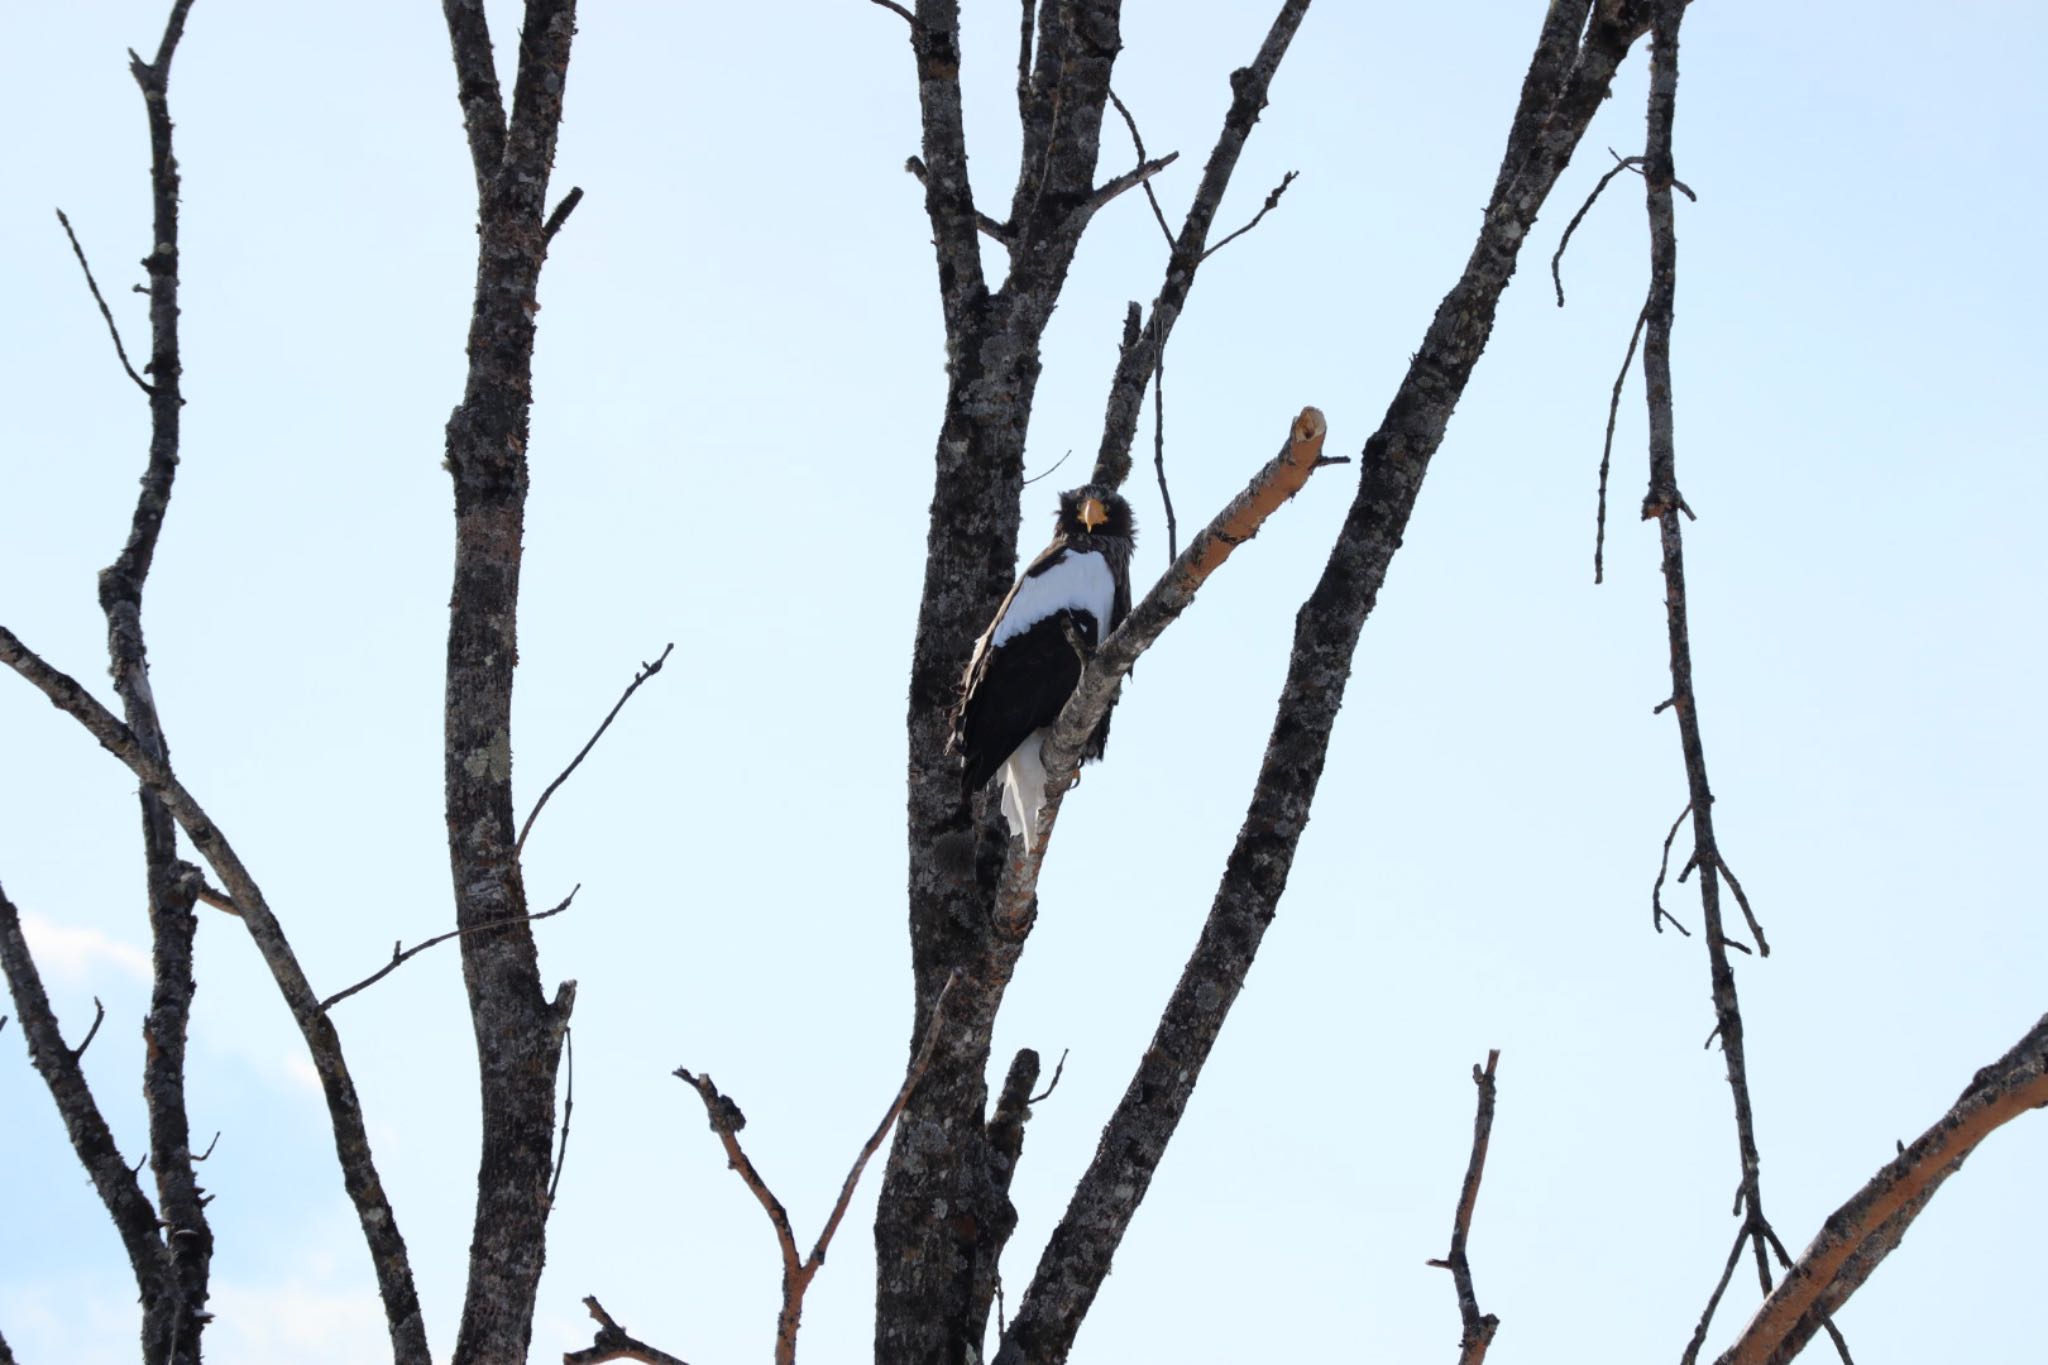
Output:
(1478, 1327)
(91, 1139)
(797, 1270)
(351, 1138)
(1858, 1236)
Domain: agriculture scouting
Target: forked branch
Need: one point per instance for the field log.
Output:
(798, 1271)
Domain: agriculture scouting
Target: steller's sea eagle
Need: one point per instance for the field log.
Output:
(1025, 665)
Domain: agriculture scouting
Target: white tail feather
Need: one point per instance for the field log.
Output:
(1024, 788)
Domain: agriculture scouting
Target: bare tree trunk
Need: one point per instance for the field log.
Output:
(518, 1029)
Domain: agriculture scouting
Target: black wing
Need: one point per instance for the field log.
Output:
(1017, 687)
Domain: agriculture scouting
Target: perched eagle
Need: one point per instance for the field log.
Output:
(1025, 665)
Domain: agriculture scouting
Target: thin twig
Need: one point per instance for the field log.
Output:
(1699, 1331)
(908, 17)
(1557, 259)
(1658, 914)
(1607, 451)
(1059, 1069)
(568, 1108)
(105, 312)
(562, 212)
(1137, 175)
(1762, 945)
(399, 959)
(1159, 451)
(918, 1066)
(209, 1147)
(1272, 202)
(1479, 1327)
(1055, 465)
(1138, 143)
(99, 1016)
(646, 671)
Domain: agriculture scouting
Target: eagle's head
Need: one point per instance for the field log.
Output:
(1092, 513)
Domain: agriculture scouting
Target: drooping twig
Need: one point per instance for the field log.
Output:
(614, 1342)
(105, 312)
(893, 7)
(1557, 258)
(1607, 448)
(568, 1105)
(1658, 914)
(1858, 1236)
(1159, 452)
(646, 671)
(798, 1271)
(1272, 202)
(1478, 1327)
(401, 956)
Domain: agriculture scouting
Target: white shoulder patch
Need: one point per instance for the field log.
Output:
(1080, 581)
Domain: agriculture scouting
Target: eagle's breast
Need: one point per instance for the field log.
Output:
(1077, 580)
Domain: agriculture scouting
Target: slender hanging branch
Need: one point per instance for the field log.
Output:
(105, 312)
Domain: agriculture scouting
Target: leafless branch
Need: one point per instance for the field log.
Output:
(893, 7)
(568, 1104)
(1607, 450)
(646, 671)
(1658, 914)
(105, 312)
(613, 1342)
(1857, 1237)
(1248, 87)
(1138, 144)
(1059, 1069)
(1137, 175)
(1046, 473)
(1479, 1327)
(1159, 452)
(1272, 202)
(797, 1271)
(1569, 77)
(399, 956)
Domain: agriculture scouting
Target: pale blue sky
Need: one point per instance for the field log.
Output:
(739, 378)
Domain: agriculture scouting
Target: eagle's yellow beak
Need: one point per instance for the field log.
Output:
(1093, 513)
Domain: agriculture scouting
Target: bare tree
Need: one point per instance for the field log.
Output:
(946, 1214)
